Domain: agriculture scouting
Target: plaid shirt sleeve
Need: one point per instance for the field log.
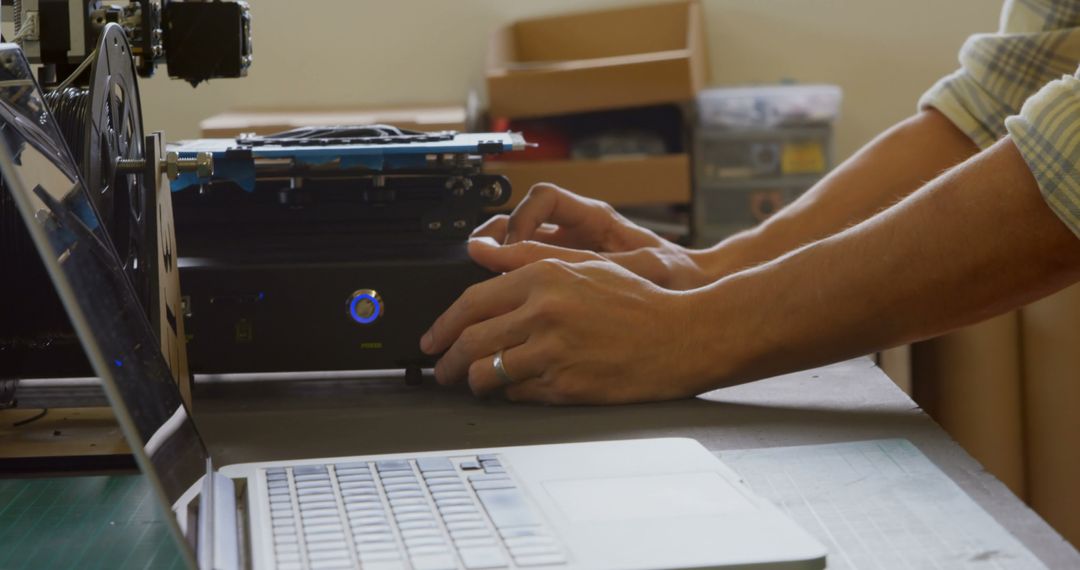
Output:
(1038, 41)
(1047, 133)
(1020, 81)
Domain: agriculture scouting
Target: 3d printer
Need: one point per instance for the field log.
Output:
(329, 248)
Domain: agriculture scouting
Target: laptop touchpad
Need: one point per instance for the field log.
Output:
(647, 497)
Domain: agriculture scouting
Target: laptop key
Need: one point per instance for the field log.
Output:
(440, 495)
(429, 464)
(373, 529)
(424, 550)
(334, 564)
(454, 502)
(408, 501)
(325, 542)
(482, 558)
(455, 486)
(462, 517)
(419, 532)
(433, 476)
(457, 509)
(410, 508)
(370, 547)
(378, 555)
(507, 507)
(394, 487)
(466, 525)
(357, 465)
(328, 554)
(404, 473)
(384, 565)
(317, 512)
(488, 540)
(359, 485)
(414, 516)
(414, 525)
(433, 562)
(469, 533)
(313, 484)
(308, 492)
(368, 520)
(417, 541)
(358, 477)
(322, 519)
(393, 465)
(373, 538)
(417, 494)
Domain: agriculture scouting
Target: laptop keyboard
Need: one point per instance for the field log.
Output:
(431, 513)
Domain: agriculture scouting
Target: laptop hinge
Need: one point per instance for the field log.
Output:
(218, 545)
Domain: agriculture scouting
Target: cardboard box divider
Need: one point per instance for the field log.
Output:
(663, 179)
(627, 57)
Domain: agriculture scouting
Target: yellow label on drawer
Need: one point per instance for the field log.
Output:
(802, 158)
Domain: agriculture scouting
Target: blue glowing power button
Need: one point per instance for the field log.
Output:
(365, 306)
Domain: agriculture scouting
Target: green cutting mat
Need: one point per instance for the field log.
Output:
(83, 522)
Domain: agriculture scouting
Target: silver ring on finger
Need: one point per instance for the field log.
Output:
(500, 369)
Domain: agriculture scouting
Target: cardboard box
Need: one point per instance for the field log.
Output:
(268, 121)
(619, 181)
(609, 59)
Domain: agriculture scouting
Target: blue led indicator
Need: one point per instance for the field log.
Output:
(118, 362)
(376, 311)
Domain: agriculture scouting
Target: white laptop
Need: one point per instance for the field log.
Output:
(638, 504)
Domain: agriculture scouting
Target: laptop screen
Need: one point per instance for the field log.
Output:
(116, 335)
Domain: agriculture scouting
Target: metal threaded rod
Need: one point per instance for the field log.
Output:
(202, 163)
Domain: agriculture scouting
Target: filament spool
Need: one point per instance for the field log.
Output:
(101, 124)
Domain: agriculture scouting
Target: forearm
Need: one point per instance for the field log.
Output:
(889, 168)
(971, 244)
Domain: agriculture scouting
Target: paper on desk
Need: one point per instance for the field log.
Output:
(879, 504)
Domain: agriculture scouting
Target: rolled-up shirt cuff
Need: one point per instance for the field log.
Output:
(1047, 133)
(971, 108)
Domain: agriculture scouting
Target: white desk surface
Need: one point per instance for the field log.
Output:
(850, 401)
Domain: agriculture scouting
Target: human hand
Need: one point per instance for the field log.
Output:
(575, 226)
(572, 333)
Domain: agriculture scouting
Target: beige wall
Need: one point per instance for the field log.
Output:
(884, 53)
